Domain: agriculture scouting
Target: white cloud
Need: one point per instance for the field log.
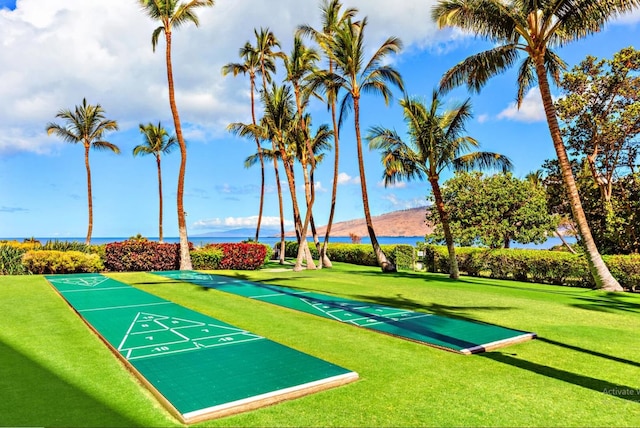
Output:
(403, 204)
(531, 109)
(238, 222)
(482, 118)
(396, 185)
(344, 178)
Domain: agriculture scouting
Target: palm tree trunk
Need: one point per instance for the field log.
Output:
(324, 260)
(160, 237)
(384, 263)
(185, 257)
(280, 206)
(454, 272)
(89, 195)
(253, 120)
(598, 268)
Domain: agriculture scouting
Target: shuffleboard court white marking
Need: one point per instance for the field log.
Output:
(108, 308)
(93, 289)
(152, 334)
(261, 296)
(375, 321)
(90, 281)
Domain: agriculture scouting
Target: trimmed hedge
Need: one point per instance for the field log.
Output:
(141, 255)
(358, 254)
(206, 258)
(240, 256)
(546, 267)
(52, 261)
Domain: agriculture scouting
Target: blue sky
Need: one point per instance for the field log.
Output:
(52, 54)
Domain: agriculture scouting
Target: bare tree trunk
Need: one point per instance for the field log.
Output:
(601, 274)
(160, 237)
(454, 271)
(185, 257)
(383, 261)
(87, 146)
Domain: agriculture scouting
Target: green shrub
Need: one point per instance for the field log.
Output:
(206, 258)
(626, 269)
(240, 256)
(51, 261)
(11, 260)
(67, 246)
(142, 255)
(22, 246)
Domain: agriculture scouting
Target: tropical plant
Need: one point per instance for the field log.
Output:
(157, 141)
(357, 75)
(533, 28)
(437, 142)
(251, 66)
(332, 18)
(174, 13)
(87, 125)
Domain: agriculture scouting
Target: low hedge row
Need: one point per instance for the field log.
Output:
(141, 255)
(53, 261)
(547, 267)
(359, 254)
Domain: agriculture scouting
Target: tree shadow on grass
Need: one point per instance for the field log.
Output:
(589, 351)
(32, 395)
(610, 302)
(621, 391)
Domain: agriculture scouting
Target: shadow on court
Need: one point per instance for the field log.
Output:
(32, 395)
(621, 391)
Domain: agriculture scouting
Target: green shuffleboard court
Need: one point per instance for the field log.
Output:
(462, 336)
(198, 366)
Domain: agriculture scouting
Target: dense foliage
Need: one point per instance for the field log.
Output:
(493, 211)
(546, 267)
(52, 261)
(240, 256)
(206, 258)
(141, 255)
(11, 260)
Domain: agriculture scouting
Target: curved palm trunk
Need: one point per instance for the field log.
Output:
(185, 257)
(383, 261)
(304, 252)
(599, 270)
(253, 120)
(454, 273)
(280, 206)
(324, 259)
(160, 236)
(89, 195)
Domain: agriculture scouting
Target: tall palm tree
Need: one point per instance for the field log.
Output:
(251, 66)
(532, 27)
(86, 124)
(266, 42)
(156, 142)
(298, 66)
(437, 142)
(175, 13)
(356, 75)
(332, 18)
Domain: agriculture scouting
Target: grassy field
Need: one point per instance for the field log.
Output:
(581, 371)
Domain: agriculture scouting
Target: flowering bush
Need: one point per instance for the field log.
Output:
(241, 256)
(141, 255)
(51, 261)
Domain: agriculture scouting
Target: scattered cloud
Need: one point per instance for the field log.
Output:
(403, 204)
(4, 209)
(227, 189)
(482, 118)
(238, 222)
(530, 111)
(396, 185)
(344, 178)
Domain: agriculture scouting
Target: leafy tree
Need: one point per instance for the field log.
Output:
(532, 28)
(251, 66)
(356, 74)
(601, 115)
(332, 18)
(156, 142)
(175, 13)
(437, 142)
(494, 211)
(88, 125)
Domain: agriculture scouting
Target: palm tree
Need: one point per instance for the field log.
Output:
(436, 143)
(251, 66)
(86, 124)
(332, 19)
(356, 75)
(174, 13)
(156, 142)
(532, 27)
(298, 66)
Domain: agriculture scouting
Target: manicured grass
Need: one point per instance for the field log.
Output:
(55, 372)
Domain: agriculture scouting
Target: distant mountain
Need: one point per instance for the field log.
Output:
(245, 232)
(409, 222)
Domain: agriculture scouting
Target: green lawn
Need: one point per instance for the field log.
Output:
(55, 372)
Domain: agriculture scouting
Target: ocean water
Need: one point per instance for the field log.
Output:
(200, 241)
